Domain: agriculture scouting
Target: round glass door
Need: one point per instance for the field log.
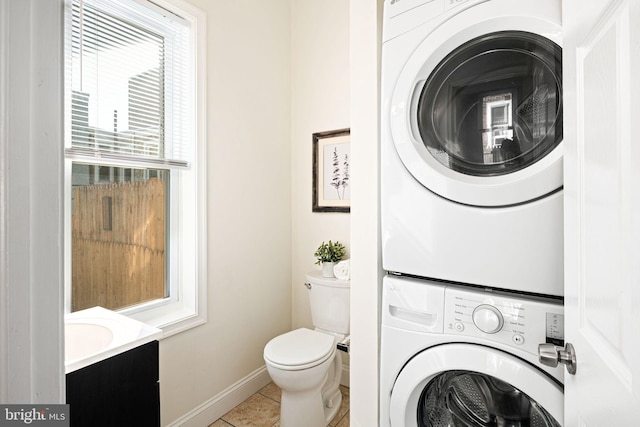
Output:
(473, 385)
(493, 106)
(471, 399)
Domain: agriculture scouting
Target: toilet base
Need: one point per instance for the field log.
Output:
(332, 406)
(308, 409)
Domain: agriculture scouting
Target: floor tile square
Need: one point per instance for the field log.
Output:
(344, 422)
(256, 411)
(344, 407)
(271, 391)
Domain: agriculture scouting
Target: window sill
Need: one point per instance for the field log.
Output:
(172, 317)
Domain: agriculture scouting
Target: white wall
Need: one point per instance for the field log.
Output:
(319, 102)
(31, 187)
(249, 198)
(365, 214)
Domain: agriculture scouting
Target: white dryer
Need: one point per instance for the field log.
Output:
(454, 356)
(471, 142)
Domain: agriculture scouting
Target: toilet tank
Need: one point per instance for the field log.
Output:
(329, 299)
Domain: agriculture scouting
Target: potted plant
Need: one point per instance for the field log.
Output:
(328, 254)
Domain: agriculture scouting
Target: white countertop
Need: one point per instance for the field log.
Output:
(96, 334)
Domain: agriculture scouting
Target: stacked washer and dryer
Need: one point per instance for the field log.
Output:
(472, 213)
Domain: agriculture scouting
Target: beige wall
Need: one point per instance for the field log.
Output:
(319, 102)
(249, 205)
(278, 71)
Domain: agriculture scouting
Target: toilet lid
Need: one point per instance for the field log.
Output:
(299, 347)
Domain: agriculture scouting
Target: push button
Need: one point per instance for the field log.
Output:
(518, 339)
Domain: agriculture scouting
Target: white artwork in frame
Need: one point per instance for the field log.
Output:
(331, 171)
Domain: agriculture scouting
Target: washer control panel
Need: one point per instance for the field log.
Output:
(517, 321)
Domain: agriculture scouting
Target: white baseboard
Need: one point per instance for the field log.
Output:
(223, 402)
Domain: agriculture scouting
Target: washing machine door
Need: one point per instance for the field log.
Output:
(469, 385)
(476, 114)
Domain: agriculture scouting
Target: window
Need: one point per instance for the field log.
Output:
(134, 150)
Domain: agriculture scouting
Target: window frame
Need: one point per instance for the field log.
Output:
(186, 305)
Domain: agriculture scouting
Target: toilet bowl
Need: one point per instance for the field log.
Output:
(306, 366)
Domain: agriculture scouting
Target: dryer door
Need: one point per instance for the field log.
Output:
(476, 115)
(472, 385)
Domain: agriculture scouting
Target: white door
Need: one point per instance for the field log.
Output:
(602, 215)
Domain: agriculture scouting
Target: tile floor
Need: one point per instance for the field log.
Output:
(263, 410)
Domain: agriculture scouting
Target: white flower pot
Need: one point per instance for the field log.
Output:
(327, 269)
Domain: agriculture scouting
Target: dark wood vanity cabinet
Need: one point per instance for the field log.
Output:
(122, 390)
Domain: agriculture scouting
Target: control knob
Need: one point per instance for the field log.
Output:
(488, 319)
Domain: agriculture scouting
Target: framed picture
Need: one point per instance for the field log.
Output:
(331, 173)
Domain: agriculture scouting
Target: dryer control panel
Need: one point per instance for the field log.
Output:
(516, 321)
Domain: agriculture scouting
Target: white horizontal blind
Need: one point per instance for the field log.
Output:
(130, 99)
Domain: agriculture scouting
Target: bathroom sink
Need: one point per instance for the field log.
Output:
(96, 334)
(84, 339)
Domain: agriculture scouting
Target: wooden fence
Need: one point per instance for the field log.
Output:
(118, 238)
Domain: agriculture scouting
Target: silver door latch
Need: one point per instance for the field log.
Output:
(550, 355)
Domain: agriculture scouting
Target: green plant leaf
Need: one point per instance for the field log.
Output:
(330, 252)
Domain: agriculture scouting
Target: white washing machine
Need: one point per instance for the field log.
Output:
(471, 150)
(454, 356)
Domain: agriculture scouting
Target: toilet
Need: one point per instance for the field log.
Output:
(305, 363)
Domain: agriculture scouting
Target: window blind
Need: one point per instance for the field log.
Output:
(130, 94)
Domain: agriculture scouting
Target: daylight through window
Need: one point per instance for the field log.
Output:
(129, 148)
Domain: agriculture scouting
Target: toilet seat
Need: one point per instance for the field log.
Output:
(299, 349)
